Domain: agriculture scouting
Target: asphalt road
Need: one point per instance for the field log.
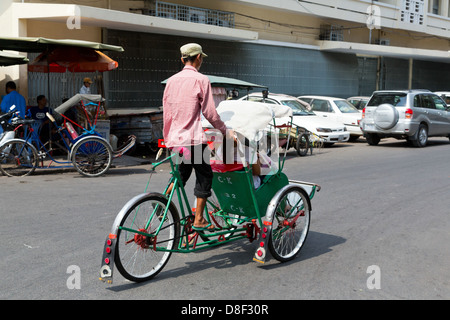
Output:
(379, 230)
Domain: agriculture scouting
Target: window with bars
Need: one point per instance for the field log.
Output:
(194, 14)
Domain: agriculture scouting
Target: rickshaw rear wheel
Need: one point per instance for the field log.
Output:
(91, 156)
(302, 145)
(140, 257)
(290, 224)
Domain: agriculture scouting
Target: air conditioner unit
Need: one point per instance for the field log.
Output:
(331, 33)
(383, 42)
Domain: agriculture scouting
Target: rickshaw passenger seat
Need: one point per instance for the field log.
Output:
(224, 167)
(71, 130)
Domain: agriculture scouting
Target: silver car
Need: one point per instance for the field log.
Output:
(414, 115)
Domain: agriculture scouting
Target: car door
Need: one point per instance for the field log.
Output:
(322, 108)
(431, 114)
(442, 115)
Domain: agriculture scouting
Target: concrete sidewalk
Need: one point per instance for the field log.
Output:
(50, 167)
(129, 161)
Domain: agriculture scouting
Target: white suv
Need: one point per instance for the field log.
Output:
(414, 115)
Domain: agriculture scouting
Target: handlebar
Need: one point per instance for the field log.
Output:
(50, 117)
(8, 114)
(14, 122)
(17, 121)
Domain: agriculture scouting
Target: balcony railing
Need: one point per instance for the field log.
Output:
(191, 14)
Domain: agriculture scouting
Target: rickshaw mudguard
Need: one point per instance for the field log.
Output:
(266, 227)
(109, 249)
(106, 271)
(85, 136)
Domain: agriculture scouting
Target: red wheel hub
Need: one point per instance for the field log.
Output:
(141, 240)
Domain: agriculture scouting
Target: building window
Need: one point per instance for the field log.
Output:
(434, 6)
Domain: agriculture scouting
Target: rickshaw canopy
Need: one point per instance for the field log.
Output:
(39, 44)
(217, 81)
(95, 98)
(10, 59)
(249, 117)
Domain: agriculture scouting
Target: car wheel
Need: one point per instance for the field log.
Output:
(385, 116)
(421, 137)
(372, 138)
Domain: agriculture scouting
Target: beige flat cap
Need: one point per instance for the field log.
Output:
(191, 49)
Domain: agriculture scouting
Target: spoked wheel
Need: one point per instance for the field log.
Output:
(140, 257)
(290, 224)
(18, 158)
(302, 144)
(92, 156)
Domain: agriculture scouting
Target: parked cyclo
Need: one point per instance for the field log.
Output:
(153, 225)
(77, 135)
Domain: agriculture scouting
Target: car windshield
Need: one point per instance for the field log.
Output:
(297, 108)
(345, 106)
(396, 99)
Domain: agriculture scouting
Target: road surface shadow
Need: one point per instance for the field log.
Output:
(241, 253)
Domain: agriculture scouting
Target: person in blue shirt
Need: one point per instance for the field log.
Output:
(13, 98)
(39, 113)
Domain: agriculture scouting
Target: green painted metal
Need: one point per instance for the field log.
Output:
(238, 201)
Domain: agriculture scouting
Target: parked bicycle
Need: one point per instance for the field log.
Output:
(8, 125)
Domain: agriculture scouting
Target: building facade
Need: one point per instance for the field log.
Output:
(336, 48)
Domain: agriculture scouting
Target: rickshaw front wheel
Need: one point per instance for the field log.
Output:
(290, 224)
(148, 233)
(18, 158)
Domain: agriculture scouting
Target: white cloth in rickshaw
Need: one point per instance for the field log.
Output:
(250, 120)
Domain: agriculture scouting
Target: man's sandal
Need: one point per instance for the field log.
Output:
(205, 228)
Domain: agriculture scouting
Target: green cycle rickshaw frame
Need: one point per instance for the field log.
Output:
(243, 212)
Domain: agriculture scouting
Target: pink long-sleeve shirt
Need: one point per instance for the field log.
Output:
(187, 96)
